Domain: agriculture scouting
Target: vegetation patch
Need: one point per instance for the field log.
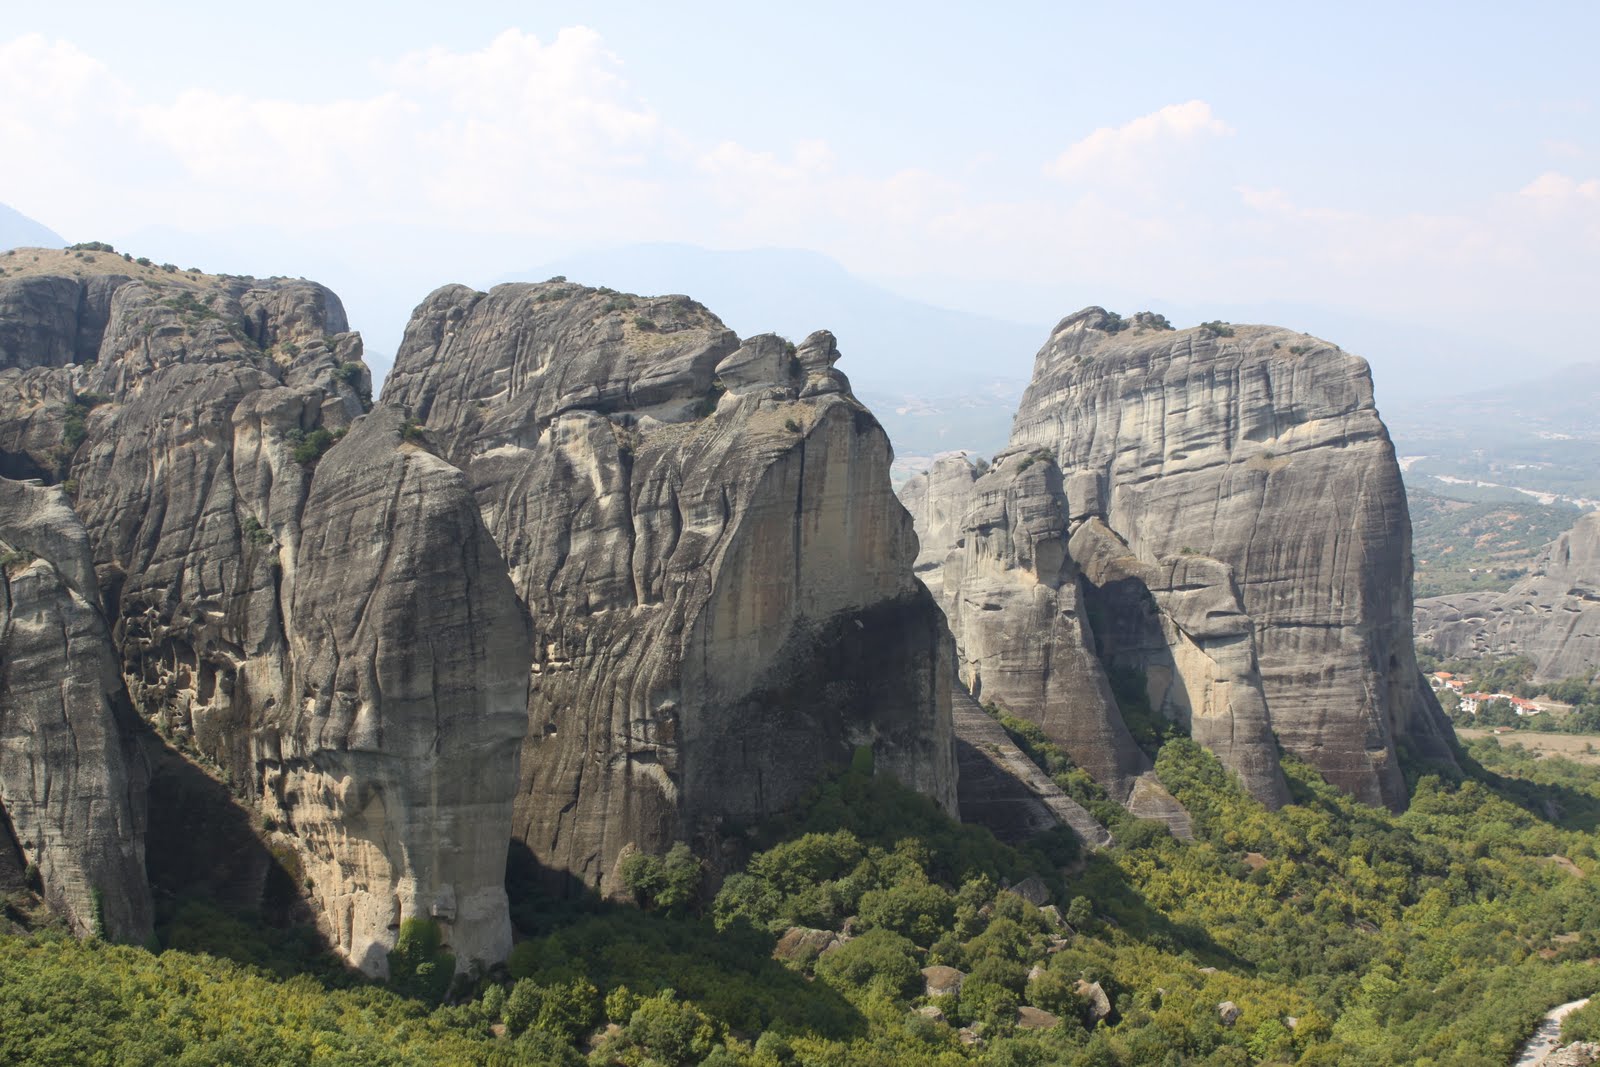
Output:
(309, 447)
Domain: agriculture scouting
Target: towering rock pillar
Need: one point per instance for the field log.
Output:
(718, 573)
(1236, 514)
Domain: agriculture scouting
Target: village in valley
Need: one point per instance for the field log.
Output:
(1465, 703)
(1496, 697)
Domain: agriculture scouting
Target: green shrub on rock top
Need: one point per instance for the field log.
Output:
(308, 448)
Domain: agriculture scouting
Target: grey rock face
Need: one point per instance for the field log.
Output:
(408, 701)
(995, 553)
(718, 574)
(1012, 595)
(338, 634)
(1551, 616)
(1236, 515)
(1001, 788)
(71, 781)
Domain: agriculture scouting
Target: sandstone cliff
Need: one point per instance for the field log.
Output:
(1552, 616)
(1224, 505)
(71, 780)
(394, 758)
(326, 620)
(718, 574)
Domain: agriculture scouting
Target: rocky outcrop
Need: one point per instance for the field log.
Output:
(718, 574)
(994, 551)
(72, 796)
(326, 620)
(1552, 616)
(408, 701)
(999, 787)
(1223, 507)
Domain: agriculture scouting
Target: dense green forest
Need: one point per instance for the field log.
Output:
(1325, 933)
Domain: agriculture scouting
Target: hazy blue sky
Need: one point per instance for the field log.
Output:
(1434, 164)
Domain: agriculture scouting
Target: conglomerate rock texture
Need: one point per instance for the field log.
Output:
(325, 621)
(1552, 616)
(1217, 510)
(717, 570)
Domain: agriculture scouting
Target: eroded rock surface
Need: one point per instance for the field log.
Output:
(1001, 788)
(72, 795)
(1223, 509)
(1552, 616)
(394, 759)
(327, 620)
(718, 574)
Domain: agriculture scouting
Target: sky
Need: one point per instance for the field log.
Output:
(1417, 167)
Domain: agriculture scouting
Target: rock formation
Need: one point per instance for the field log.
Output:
(1015, 604)
(718, 573)
(71, 782)
(395, 754)
(625, 580)
(1216, 512)
(333, 628)
(1001, 788)
(1552, 616)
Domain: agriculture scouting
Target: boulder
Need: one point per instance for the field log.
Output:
(801, 943)
(942, 981)
(1032, 889)
(1094, 998)
(1029, 1018)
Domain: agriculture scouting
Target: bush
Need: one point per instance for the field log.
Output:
(1583, 1024)
(671, 1032)
(418, 966)
(1217, 328)
(310, 447)
(567, 1010)
(1149, 320)
(916, 911)
(671, 885)
(878, 960)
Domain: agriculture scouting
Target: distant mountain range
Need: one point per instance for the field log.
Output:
(19, 231)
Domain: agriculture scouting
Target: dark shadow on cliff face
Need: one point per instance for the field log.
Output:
(542, 898)
(19, 466)
(218, 886)
(730, 973)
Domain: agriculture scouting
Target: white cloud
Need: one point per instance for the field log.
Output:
(529, 144)
(522, 134)
(1115, 148)
(1553, 189)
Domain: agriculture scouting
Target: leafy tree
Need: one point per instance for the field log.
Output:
(878, 960)
(418, 965)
